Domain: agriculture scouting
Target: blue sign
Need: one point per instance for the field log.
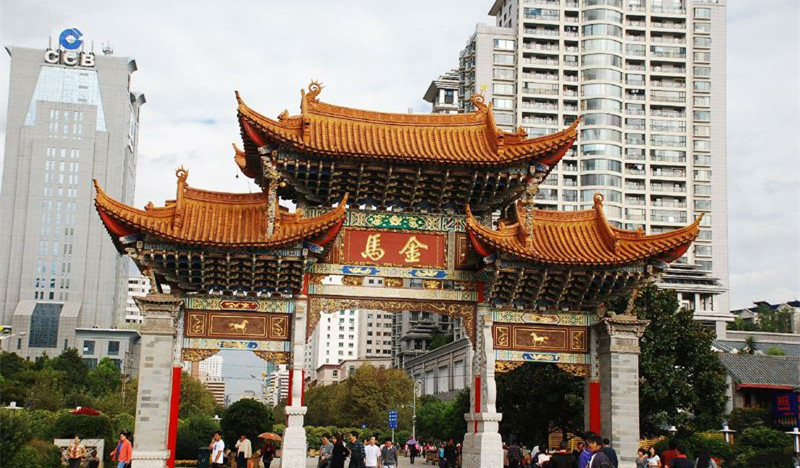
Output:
(392, 419)
(70, 39)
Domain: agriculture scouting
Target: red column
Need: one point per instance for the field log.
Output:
(594, 406)
(477, 400)
(174, 404)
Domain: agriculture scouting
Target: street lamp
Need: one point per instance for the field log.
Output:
(727, 432)
(796, 434)
(5, 337)
(417, 387)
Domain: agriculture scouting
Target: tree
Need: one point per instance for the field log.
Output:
(248, 417)
(75, 370)
(442, 420)
(322, 406)
(369, 393)
(193, 433)
(777, 320)
(196, 399)
(680, 374)
(15, 431)
(749, 345)
(47, 391)
(105, 378)
(535, 398)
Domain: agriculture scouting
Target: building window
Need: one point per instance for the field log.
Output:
(504, 44)
(503, 88)
(702, 42)
(90, 362)
(503, 103)
(702, 13)
(44, 326)
(703, 86)
(504, 73)
(503, 59)
(88, 347)
(113, 348)
(702, 28)
(335, 373)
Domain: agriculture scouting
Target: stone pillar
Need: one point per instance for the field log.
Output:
(618, 359)
(158, 331)
(295, 447)
(483, 447)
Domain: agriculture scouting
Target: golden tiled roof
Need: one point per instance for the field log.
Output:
(459, 139)
(578, 238)
(200, 217)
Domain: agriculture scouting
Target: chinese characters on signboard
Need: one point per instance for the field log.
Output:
(411, 249)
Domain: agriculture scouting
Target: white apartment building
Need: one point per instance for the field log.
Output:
(211, 368)
(138, 286)
(277, 385)
(648, 79)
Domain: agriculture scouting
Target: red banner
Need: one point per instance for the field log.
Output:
(392, 248)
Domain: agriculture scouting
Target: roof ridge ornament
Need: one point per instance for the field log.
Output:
(182, 174)
(479, 101)
(605, 228)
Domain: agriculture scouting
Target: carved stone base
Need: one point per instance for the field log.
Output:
(295, 448)
(484, 448)
(150, 458)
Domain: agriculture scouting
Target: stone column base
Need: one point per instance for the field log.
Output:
(482, 449)
(150, 458)
(295, 448)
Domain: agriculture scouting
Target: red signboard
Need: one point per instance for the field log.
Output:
(392, 248)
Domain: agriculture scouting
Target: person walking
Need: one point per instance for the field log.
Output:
(610, 453)
(357, 454)
(653, 460)
(92, 461)
(339, 452)
(244, 450)
(514, 455)
(668, 455)
(267, 453)
(599, 459)
(450, 453)
(217, 447)
(586, 455)
(325, 453)
(76, 452)
(681, 460)
(563, 458)
(442, 456)
(389, 455)
(371, 453)
(641, 458)
(122, 454)
(413, 449)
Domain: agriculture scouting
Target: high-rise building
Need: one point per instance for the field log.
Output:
(72, 118)
(277, 385)
(211, 368)
(217, 388)
(138, 286)
(414, 334)
(648, 79)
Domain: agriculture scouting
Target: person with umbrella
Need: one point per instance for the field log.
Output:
(413, 449)
(268, 450)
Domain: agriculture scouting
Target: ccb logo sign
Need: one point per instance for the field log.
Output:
(70, 39)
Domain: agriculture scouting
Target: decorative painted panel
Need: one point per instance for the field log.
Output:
(521, 337)
(544, 318)
(392, 272)
(410, 221)
(541, 356)
(235, 303)
(378, 292)
(237, 325)
(244, 345)
(391, 248)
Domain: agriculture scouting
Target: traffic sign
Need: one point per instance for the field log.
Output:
(392, 419)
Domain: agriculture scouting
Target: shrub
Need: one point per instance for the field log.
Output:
(41, 423)
(742, 418)
(762, 447)
(193, 433)
(248, 417)
(86, 427)
(15, 432)
(37, 454)
(123, 421)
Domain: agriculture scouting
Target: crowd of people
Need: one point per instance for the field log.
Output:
(367, 454)
(242, 455)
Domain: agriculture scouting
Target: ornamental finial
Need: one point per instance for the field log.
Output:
(598, 199)
(314, 89)
(479, 101)
(182, 174)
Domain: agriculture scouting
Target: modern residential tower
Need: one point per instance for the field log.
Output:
(72, 118)
(648, 79)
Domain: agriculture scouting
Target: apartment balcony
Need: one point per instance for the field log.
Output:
(634, 111)
(669, 55)
(631, 217)
(634, 157)
(670, 114)
(668, 40)
(570, 78)
(634, 141)
(634, 127)
(570, 108)
(663, 69)
(661, 173)
(635, 172)
(635, 8)
(634, 97)
(632, 67)
(633, 201)
(635, 82)
(668, 204)
(570, 168)
(668, 128)
(529, 121)
(637, 187)
(542, 32)
(571, 34)
(669, 159)
(570, 183)
(571, 63)
(667, 98)
(540, 76)
(534, 61)
(667, 25)
(668, 188)
(571, 19)
(669, 143)
(570, 198)
(668, 10)
(540, 17)
(547, 3)
(668, 84)
(635, 24)
(569, 92)
(540, 91)
(571, 4)
(542, 47)
(540, 106)
(636, 38)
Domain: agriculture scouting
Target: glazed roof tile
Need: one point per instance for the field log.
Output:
(578, 238)
(459, 139)
(200, 217)
(756, 369)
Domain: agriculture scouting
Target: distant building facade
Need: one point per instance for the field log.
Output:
(211, 368)
(72, 118)
(138, 286)
(443, 93)
(277, 384)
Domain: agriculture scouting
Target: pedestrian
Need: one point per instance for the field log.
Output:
(578, 450)
(357, 454)
(610, 453)
(122, 454)
(505, 456)
(641, 458)
(586, 454)
(705, 460)
(668, 455)
(514, 455)
(413, 449)
(599, 459)
(450, 453)
(442, 456)
(339, 452)
(544, 457)
(76, 452)
(217, 447)
(681, 460)
(92, 461)
(325, 453)
(389, 455)
(267, 453)
(371, 453)
(653, 460)
(244, 450)
(563, 458)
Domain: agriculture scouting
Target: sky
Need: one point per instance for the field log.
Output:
(382, 55)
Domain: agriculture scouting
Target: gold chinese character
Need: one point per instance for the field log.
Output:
(412, 249)
(373, 250)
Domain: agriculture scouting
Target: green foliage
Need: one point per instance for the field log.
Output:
(193, 433)
(248, 417)
(123, 422)
(767, 320)
(37, 454)
(85, 426)
(762, 447)
(196, 399)
(775, 351)
(554, 396)
(680, 375)
(742, 418)
(749, 345)
(41, 422)
(47, 391)
(75, 371)
(441, 339)
(15, 432)
(364, 398)
(442, 420)
(105, 378)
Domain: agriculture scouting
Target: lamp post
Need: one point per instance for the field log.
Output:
(727, 432)
(417, 387)
(796, 434)
(5, 337)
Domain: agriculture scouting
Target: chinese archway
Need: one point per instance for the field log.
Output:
(442, 208)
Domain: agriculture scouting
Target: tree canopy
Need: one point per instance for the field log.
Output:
(248, 417)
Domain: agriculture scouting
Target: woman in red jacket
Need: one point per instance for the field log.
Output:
(122, 454)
